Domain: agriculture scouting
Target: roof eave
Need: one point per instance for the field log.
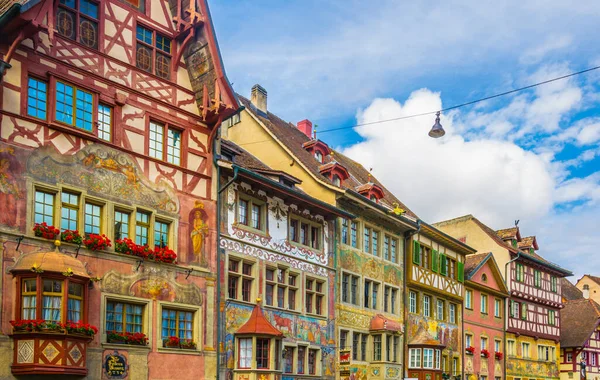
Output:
(381, 209)
(276, 185)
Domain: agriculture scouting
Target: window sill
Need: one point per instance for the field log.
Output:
(243, 227)
(305, 247)
(318, 316)
(179, 351)
(282, 309)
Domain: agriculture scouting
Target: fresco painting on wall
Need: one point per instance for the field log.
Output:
(444, 333)
(11, 184)
(294, 328)
(527, 368)
(356, 262)
(199, 227)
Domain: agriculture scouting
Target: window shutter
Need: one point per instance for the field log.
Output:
(435, 261)
(511, 309)
(443, 265)
(524, 311)
(416, 252)
(461, 271)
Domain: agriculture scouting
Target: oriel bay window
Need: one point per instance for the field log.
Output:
(53, 293)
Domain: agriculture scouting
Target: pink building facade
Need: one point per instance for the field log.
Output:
(484, 318)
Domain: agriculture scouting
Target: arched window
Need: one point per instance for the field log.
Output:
(484, 277)
(374, 198)
(337, 180)
(319, 156)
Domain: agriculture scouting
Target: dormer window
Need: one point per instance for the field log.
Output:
(371, 191)
(374, 198)
(319, 156)
(337, 180)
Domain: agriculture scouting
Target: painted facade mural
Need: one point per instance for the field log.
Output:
(445, 333)
(100, 135)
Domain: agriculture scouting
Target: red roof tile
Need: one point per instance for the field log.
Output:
(578, 320)
(257, 324)
(293, 139)
(381, 323)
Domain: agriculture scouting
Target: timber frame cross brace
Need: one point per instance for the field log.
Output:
(186, 30)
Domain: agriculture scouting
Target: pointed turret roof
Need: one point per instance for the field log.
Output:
(258, 324)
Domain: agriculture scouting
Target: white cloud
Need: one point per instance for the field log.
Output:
(551, 44)
(444, 178)
(493, 178)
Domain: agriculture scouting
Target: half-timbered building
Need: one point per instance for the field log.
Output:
(533, 320)
(280, 276)
(434, 304)
(591, 284)
(369, 249)
(580, 340)
(108, 113)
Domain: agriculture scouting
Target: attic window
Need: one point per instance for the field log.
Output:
(484, 277)
(337, 180)
(373, 198)
(286, 182)
(319, 156)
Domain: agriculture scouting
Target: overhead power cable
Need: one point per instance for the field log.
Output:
(455, 106)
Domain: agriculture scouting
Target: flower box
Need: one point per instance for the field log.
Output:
(35, 325)
(470, 350)
(80, 328)
(485, 354)
(127, 246)
(175, 342)
(499, 355)
(95, 242)
(71, 236)
(45, 231)
(137, 339)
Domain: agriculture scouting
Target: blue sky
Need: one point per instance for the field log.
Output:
(533, 156)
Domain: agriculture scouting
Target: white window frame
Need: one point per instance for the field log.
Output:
(414, 358)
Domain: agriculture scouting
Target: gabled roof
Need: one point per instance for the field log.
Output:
(250, 167)
(288, 135)
(257, 324)
(490, 232)
(578, 320)
(510, 233)
(497, 238)
(475, 262)
(528, 242)
(593, 278)
(569, 291)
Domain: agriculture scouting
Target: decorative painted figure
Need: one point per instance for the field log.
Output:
(198, 234)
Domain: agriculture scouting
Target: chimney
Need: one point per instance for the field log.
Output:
(305, 126)
(586, 291)
(258, 97)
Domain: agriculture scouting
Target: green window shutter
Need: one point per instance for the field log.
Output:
(434, 261)
(416, 252)
(443, 265)
(461, 271)
(524, 311)
(511, 309)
